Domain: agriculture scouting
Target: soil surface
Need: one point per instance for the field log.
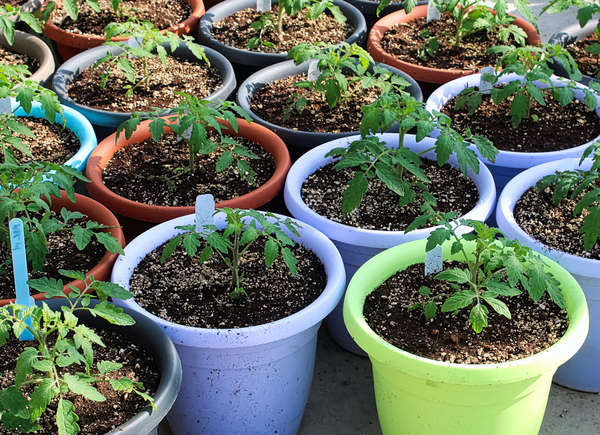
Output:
(162, 13)
(144, 172)
(14, 2)
(9, 57)
(449, 338)
(323, 192)
(273, 103)
(95, 417)
(178, 75)
(52, 142)
(189, 293)
(236, 31)
(558, 127)
(589, 64)
(554, 226)
(404, 40)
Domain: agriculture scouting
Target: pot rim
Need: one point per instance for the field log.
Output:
(35, 47)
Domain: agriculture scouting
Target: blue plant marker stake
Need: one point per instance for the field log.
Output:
(5, 106)
(19, 261)
(205, 209)
(433, 260)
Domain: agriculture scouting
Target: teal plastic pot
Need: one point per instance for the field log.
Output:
(420, 396)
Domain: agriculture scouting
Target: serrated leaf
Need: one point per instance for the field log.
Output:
(25, 365)
(83, 388)
(66, 419)
(429, 310)
(498, 306)
(224, 161)
(111, 290)
(271, 251)
(454, 275)
(40, 398)
(478, 317)
(591, 228)
(123, 384)
(113, 314)
(458, 300)
(110, 243)
(437, 237)
(502, 288)
(290, 260)
(353, 194)
(105, 367)
(81, 236)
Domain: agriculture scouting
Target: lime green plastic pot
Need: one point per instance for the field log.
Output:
(417, 395)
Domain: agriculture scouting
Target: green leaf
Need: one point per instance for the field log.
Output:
(43, 365)
(271, 251)
(290, 260)
(111, 290)
(52, 287)
(591, 228)
(66, 419)
(429, 310)
(113, 314)
(537, 280)
(563, 94)
(81, 236)
(458, 300)
(191, 243)
(454, 275)
(73, 274)
(40, 398)
(224, 161)
(498, 306)
(110, 243)
(157, 128)
(478, 317)
(437, 237)
(353, 194)
(170, 247)
(502, 288)
(424, 290)
(105, 367)
(123, 384)
(82, 387)
(25, 365)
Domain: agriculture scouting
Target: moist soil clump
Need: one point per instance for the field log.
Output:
(404, 41)
(62, 254)
(589, 64)
(553, 225)
(95, 418)
(178, 75)
(557, 128)
(147, 172)
(162, 13)
(323, 192)
(189, 293)
(9, 57)
(51, 143)
(449, 338)
(273, 103)
(236, 31)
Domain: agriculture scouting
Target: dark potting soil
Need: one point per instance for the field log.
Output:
(236, 31)
(14, 2)
(9, 57)
(449, 338)
(323, 192)
(62, 254)
(95, 417)
(178, 75)
(558, 127)
(189, 293)
(554, 226)
(404, 40)
(273, 103)
(146, 172)
(162, 13)
(589, 64)
(52, 142)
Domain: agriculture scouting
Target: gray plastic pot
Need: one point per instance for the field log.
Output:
(146, 333)
(247, 62)
(74, 66)
(564, 39)
(300, 141)
(35, 48)
(369, 9)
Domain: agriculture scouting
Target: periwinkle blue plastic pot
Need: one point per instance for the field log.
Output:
(357, 245)
(582, 372)
(246, 381)
(75, 122)
(508, 163)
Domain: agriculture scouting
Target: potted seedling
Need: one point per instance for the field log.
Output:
(488, 328)
(316, 97)
(276, 27)
(532, 115)
(374, 9)
(448, 39)
(364, 192)
(252, 296)
(200, 148)
(108, 83)
(565, 194)
(77, 25)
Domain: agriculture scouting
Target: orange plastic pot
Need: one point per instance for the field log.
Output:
(418, 72)
(158, 213)
(69, 44)
(96, 212)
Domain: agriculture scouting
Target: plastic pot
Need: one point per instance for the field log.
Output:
(244, 380)
(299, 141)
(358, 245)
(565, 39)
(581, 372)
(247, 62)
(157, 343)
(420, 396)
(35, 48)
(75, 122)
(69, 44)
(96, 212)
(369, 9)
(508, 163)
(422, 73)
(71, 69)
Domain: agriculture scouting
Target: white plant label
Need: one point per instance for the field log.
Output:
(484, 86)
(432, 13)
(263, 5)
(313, 70)
(5, 106)
(205, 210)
(433, 260)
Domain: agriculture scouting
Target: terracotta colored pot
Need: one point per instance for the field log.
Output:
(33, 47)
(423, 73)
(69, 44)
(97, 212)
(157, 213)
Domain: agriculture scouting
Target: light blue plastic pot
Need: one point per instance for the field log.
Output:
(358, 245)
(508, 163)
(75, 122)
(244, 381)
(582, 372)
